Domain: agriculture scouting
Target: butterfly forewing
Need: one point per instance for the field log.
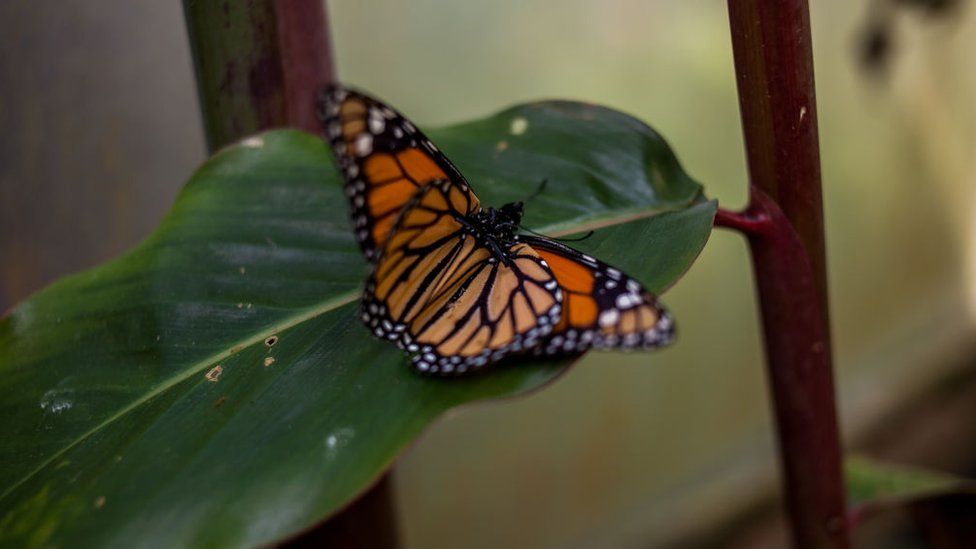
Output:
(602, 307)
(439, 292)
(384, 159)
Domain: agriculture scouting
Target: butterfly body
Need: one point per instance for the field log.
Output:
(495, 228)
(455, 283)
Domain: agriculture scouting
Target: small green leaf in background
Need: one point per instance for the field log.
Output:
(214, 385)
(871, 482)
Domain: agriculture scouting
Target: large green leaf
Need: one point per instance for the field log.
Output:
(142, 399)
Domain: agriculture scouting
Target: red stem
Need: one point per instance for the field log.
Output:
(747, 222)
(369, 522)
(306, 58)
(774, 71)
(258, 64)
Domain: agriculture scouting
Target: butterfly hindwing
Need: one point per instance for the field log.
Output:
(602, 307)
(441, 293)
(384, 160)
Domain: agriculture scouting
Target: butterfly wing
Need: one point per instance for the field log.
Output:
(384, 159)
(602, 307)
(440, 293)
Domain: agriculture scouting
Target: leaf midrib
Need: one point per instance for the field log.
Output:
(619, 217)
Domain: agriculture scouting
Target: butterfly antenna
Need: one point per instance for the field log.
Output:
(576, 239)
(538, 190)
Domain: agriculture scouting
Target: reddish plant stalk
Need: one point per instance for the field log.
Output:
(367, 523)
(784, 225)
(259, 65)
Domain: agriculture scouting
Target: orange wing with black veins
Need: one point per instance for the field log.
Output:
(384, 160)
(439, 293)
(602, 307)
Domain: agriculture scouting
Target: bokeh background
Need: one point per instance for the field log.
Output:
(101, 127)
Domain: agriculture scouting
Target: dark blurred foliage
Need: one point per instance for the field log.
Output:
(876, 43)
(947, 522)
(935, 8)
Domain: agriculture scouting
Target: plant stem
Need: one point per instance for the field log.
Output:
(368, 523)
(774, 72)
(259, 65)
(747, 222)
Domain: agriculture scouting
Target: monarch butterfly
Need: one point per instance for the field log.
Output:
(454, 283)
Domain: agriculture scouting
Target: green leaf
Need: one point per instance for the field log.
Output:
(874, 483)
(143, 399)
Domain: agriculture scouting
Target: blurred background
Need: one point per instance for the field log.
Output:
(101, 128)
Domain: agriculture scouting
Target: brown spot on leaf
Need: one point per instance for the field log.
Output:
(270, 342)
(214, 374)
(99, 502)
(268, 361)
(220, 401)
